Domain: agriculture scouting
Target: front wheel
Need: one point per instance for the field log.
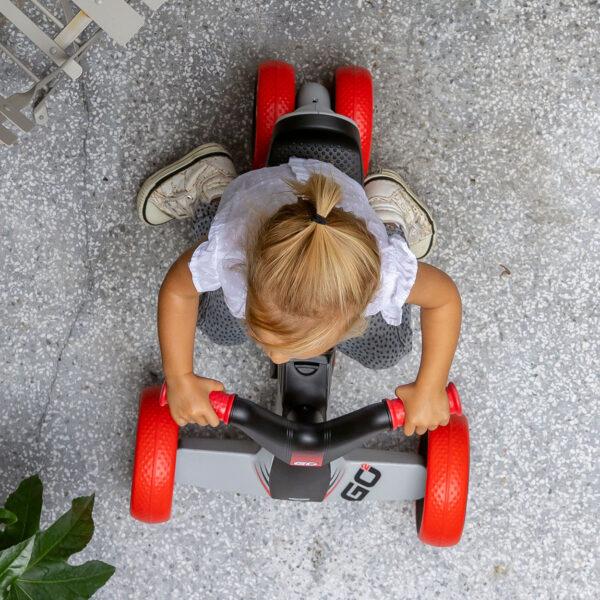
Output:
(154, 460)
(441, 512)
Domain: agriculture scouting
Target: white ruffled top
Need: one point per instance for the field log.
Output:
(220, 261)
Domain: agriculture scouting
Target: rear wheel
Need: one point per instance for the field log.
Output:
(154, 460)
(275, 97)
(441, 513)
(354, 99)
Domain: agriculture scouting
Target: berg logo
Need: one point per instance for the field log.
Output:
(306, 459)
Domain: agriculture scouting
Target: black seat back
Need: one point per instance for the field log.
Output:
(325, 137)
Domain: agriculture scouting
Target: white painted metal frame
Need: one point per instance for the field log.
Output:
(116, 17)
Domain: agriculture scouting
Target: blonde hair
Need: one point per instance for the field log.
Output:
(308, 281)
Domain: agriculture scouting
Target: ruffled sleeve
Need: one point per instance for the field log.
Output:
(204, 267)
(399, 271)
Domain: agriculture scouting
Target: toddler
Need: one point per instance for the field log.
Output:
(300, 258)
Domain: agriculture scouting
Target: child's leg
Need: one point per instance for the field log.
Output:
(203, 218)
(382, 345)
(216, 321)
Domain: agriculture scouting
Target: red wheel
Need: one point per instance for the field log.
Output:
(441, 513)
(275, 96)
(154, 460)
(354, 99)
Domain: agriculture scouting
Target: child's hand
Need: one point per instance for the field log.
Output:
(188, 399)
(425, 409)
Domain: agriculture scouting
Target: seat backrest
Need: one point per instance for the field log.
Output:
(329, 138)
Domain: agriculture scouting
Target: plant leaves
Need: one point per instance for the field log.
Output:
(26, 504)
(67, 535)
(7, 517)
(13, 562)
(17, 594)
(59, 580)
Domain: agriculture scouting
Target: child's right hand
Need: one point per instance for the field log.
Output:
(188, 399)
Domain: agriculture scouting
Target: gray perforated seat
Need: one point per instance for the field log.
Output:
(325, 137)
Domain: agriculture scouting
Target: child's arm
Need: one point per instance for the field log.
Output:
(425, 399)
(178, 303)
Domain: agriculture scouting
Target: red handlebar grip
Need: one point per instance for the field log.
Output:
(454, 399)
(222, 403)
(397, 413)
(162, 399)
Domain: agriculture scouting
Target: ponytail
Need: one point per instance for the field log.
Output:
(323, 193)
(312, 269)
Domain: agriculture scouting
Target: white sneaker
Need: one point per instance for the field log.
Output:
(394, 202)
(174, 192)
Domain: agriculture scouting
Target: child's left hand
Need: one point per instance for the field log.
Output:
(425, 409)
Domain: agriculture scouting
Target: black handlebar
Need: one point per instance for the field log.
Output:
(307, 445)
(314, 445)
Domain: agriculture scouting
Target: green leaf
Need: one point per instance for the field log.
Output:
(68, 535)
(13, 562)
(16, 594)
(7, 517)
(26, 503)
(59, 580)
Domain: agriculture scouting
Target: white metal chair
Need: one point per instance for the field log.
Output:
(116, 17)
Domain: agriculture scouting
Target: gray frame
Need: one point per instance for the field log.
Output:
(236, 465)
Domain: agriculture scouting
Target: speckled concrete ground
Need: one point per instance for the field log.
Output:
(491, 110)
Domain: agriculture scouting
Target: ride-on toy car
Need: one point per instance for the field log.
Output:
(295, 453)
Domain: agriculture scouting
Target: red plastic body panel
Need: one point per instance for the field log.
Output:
(154, 460)
(275, 97)
(397, 413)
(354, 99)
(447, 484)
